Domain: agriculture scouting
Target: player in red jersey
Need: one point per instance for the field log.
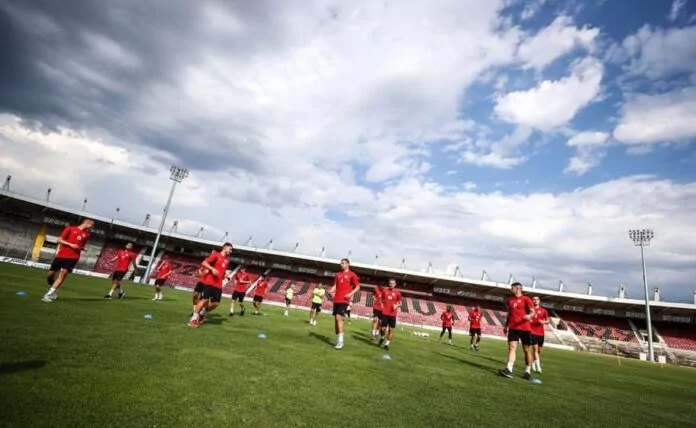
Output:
(391, 302)
(346, 284)
(71, 242)
(198, 289)
(376, 311)
(216, 264)
(164, 271)
(518, 329)
(124, 259)
(447, 318)
(260, 293)
(541, 318)
(475, 327)
(242, 280)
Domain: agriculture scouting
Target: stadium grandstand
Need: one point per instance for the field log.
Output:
(582, 322)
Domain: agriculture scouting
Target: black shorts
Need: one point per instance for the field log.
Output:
(160, 282)
(474, 332)
(198, 288)
(348, 312)
(287, 301)
(377, 313)
(316, 307)
(118, 275)
(212, 293)
(238, 296)
(388, 321)
(63, 264)
(258, 299)
(520, 336)
(340, 309)
(448, 329)
(538, 340)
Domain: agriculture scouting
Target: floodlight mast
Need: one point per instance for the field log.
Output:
(641, 238)
(177, 175)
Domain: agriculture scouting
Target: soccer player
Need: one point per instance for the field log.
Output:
(124, 259)
(289, 294)
(260, 293)
(447, 318)
(198, 289)
(541, 318)
(71, 242)
(216, 265)
(346, 284)
(518, 329)
(376, 311)
(391, 301)
(475, 327)
(242, 280)
(348, 311)
(164, 271)
(317, 298)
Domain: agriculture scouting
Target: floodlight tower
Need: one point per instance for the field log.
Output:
(177, 175)
(641, 238)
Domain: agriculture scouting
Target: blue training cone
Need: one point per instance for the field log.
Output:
(148, 316)
(536, 381)
(22, 293)
(261, 335)
(386, 357)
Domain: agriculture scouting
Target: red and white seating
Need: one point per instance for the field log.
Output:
(678, 336)
(605, 328)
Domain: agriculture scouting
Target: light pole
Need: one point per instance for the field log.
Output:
(177, 175)
(642, 238)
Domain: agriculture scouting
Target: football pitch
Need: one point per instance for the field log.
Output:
(85, 361)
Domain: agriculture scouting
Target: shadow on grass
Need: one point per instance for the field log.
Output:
(321, 338)
(97, 299)
(214, 319)
(470, 363)
(364, 339)
(22, 366)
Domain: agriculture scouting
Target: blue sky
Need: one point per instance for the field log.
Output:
(516, 137)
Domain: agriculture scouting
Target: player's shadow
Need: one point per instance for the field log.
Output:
(364, 339)
(22, 366)
(485, 357)
(321, 338)
(470, 363)
(214, 320)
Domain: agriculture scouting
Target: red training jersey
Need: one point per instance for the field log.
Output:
(220, 263)
(261, 288)
(73, 235)
(124, 259)
(518, 307)
(345, 282)
(390, 299)
(447, 318)
(540, 314)
(164, 270)
(475, 318)
(377, 298)
(239, 285)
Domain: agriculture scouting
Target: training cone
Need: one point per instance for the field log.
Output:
(536, 381)
(386, 357)
(22, 293)
(148, 316)
(261, 335)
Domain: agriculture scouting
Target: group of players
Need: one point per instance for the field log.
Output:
(524, 324)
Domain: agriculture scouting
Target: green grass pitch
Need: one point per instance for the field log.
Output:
(83, 361)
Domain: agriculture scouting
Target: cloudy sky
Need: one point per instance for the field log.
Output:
(520, 137)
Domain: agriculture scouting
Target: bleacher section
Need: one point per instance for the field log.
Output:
(678, 336)
(603, 328)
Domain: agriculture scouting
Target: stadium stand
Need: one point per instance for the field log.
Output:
(678, 336)
(604, 328)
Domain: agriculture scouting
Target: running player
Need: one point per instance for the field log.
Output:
(475, 327)
(541, 318)
(242, 280)
(447, 318)
(391, 301)
(71, 242)
(317, 299)
(124, 259)
(260, 292)
(289, 294)
(216, 265)
(517, 328)
(346, 284)
(164, 271)
(376, 311)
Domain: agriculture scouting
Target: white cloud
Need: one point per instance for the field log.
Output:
(502, 153)
(660, 53)
(585, 139)
(553, 103)
(589, 151)
(648, 119)
(531, 9)
(677, 7)
(556, 40)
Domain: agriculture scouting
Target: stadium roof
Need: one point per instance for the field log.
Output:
(442, 284)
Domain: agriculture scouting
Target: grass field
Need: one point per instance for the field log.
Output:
(83, 361)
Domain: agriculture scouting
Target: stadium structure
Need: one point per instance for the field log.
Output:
(582, 322)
